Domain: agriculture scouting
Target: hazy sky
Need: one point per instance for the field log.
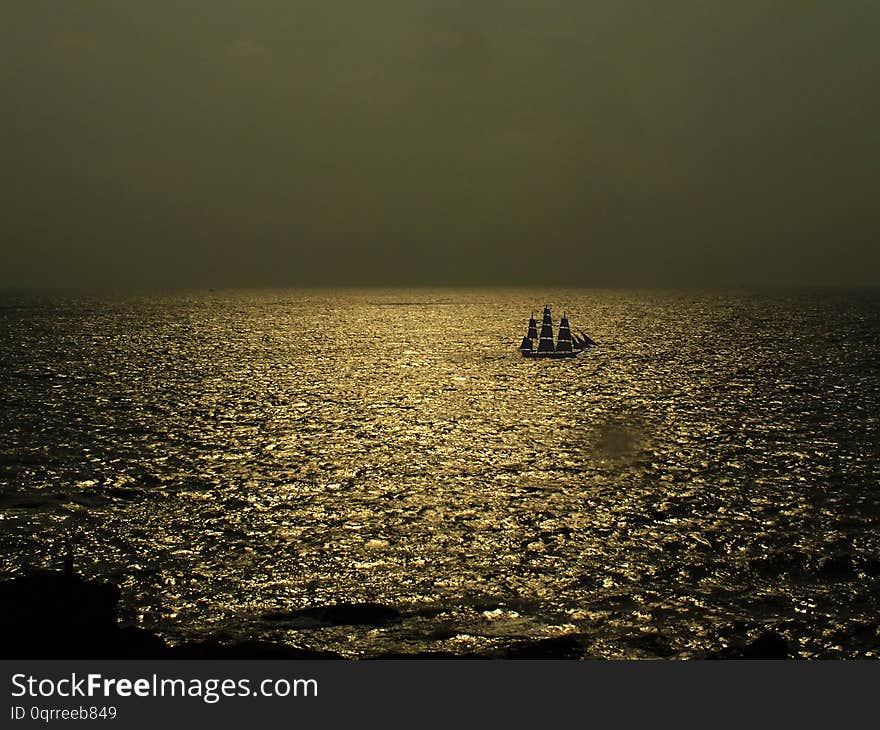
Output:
(592, 142)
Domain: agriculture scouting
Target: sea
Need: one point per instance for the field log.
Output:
(706, 474)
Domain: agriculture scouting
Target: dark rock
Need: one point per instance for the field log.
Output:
(728, 652)
(653, 643)
(779, 563)
(442, 633)
(430, 655)
(770, 645)
(586, 581)
(836, 566)
(567, 646)
(137, 643)
(340, 614)
(862, 632)
(213, 649)
(124, 493)
(59, 615)
(871, 566)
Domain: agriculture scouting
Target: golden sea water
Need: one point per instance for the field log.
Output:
(708, 471)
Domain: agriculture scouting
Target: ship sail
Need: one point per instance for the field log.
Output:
(545, 344)
(563, 340)
(533, 328)
(587, 341)
(528, 342)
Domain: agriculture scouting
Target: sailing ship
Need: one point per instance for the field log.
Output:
(567, 344)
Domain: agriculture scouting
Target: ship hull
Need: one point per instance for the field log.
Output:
(551, 355)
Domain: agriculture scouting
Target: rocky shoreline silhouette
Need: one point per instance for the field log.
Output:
(60, 615)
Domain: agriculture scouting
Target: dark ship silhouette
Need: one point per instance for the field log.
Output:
(567, 345)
